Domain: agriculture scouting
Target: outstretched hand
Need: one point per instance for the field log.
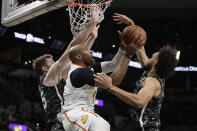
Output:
(102, 80)
(95, 14)
(122, 19)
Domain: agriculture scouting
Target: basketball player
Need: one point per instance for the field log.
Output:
(53, 74)
(80, 91)
(146, 101)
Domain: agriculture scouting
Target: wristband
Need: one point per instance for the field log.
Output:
(130, 57)
(109, 87)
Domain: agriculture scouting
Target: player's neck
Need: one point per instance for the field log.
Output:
(80, 64)
(152, 70)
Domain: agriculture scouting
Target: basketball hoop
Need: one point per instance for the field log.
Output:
(80, 13)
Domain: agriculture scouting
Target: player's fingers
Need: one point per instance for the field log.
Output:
(123, 44)
(120, 35)
(142, 43)
(103, 75)
(118, 23)
(98, 26)
(106, 76)
(117, 14)
(100, 20)
(140, 40)
(95, 75)
(135, 39)
(98, 77)
(116, 19)
(97, 80)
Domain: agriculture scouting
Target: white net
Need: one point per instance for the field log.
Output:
(80, 13)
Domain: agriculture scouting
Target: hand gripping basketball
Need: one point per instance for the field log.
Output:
(132, 39)
(132, 31)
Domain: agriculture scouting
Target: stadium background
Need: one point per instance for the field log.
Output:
(171, 22)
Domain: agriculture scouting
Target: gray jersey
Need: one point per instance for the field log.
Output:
(148, 116)
(51, 98)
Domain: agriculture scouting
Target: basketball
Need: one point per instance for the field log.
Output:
(131, 31)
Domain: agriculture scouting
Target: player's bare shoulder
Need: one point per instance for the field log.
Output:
(155, 84)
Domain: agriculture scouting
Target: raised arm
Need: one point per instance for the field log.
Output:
(120, 72)
(141, 54)
(142, 57)
(110, 66)
(88, 44)
(122, 19)
(94, 34)
(151, 88)
(61, 67)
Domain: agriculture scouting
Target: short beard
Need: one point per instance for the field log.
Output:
(89, 62)
(147, 67)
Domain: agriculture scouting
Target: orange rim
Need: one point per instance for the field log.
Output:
(74, 4)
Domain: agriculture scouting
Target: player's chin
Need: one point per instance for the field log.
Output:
(93, 61)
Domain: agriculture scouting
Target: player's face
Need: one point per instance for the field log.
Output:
(87, 57)
(155, 56)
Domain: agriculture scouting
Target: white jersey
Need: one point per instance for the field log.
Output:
(83, 96)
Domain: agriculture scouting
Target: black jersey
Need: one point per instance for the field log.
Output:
(149, 115)
(52, 98)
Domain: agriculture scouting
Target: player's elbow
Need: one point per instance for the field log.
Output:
(140, 104)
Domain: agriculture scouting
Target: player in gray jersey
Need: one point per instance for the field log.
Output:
(146, 101)
(53, 74)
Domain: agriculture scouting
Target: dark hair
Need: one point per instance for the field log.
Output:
(166, 62)
(39, 62)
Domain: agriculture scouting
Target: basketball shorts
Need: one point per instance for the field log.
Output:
(83, 120)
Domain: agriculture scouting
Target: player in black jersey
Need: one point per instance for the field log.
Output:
(146, 101)
(53, 74)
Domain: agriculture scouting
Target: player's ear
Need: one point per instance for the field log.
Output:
(155, 62)
(78, 57)
(44, 68)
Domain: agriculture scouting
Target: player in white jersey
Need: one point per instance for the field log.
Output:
(80, 91)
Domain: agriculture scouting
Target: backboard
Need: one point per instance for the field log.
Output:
(14, 12)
